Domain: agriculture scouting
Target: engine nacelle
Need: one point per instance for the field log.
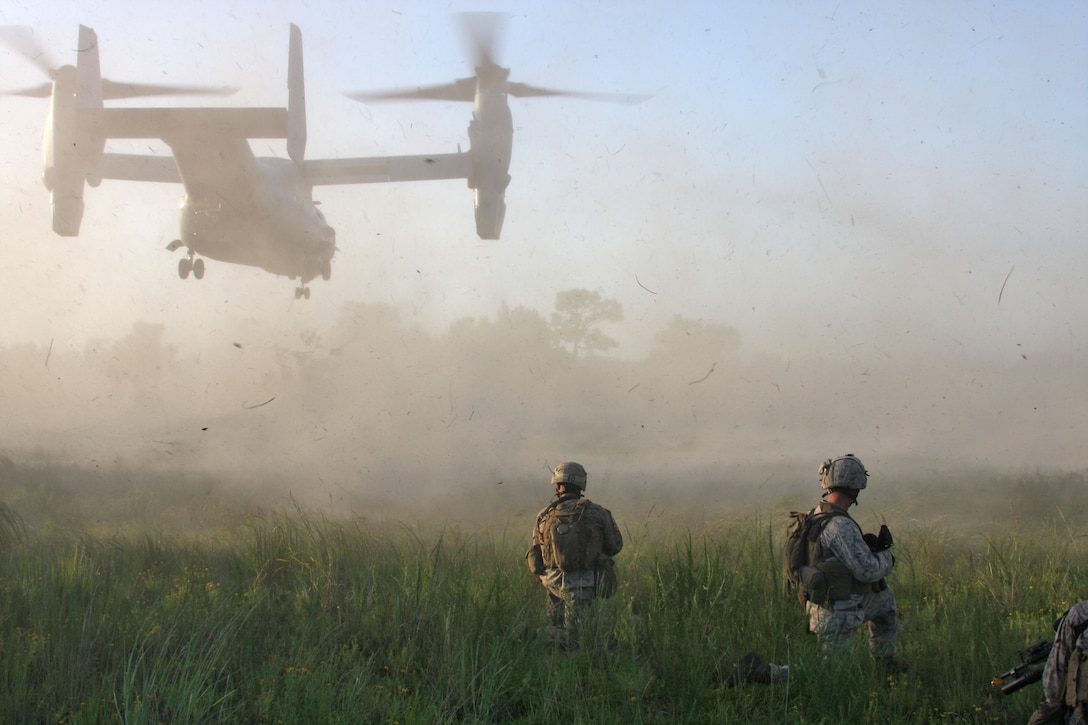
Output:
(491, 137)
(74, 138)
(490, 205)
(67, 205)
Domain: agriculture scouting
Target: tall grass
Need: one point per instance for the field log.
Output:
(296, 616)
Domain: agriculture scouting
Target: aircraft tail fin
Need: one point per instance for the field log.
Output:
(296, 99)
(88, 70)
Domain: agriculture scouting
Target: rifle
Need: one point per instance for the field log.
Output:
(1032, 662)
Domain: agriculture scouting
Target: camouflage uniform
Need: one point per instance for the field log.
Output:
(872, 600)
(1067, 641)
(569, 593)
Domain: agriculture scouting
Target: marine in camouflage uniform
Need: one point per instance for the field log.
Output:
(1062, 701)
(843, 548)
(571, 592)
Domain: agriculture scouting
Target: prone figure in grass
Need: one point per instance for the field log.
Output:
(1065, 676)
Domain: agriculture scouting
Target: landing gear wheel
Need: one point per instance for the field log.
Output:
(198, 269)
(185, 266)
(326, 270)
(306, 292)
(302, 292)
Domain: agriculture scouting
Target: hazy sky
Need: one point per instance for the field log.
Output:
(804, 171)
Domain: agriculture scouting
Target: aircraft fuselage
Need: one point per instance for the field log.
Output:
(269, 221)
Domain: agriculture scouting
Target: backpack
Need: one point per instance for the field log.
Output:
(802, 543)
(1076, 675)
(569, 542)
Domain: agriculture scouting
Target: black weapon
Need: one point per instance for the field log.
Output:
(1032, 661)
(880, 542)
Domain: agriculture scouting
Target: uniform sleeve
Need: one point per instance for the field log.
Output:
(538, 539)
(1065, 642)
(611, 539)
(842, 536)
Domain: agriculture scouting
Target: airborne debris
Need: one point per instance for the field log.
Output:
(1002, 290)
(708, 372)
(644, 286)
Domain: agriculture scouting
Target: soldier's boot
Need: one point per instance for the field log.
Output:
(751, 668)
(754, 668)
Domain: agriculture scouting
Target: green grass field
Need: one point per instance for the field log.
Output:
(137, 613)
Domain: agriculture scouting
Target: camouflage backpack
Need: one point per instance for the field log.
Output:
(569, 542)
(802, 543)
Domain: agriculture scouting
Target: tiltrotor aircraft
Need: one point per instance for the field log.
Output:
(243, 209)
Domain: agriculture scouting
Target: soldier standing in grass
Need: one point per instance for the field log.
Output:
(843, 582)
(1065, 677)
(574, 541)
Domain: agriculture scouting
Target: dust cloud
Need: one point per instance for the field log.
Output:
(374, 414)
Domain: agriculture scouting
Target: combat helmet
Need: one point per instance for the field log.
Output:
(843, 472)
(570, 474)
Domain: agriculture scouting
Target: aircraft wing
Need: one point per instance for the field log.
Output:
(134, 167)
(382, 169)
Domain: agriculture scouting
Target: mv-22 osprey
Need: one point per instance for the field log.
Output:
(237, 207)
(243, 209)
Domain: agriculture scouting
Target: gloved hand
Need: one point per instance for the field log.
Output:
(885, 537)
(879, 542)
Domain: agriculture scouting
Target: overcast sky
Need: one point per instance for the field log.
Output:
(897, 180)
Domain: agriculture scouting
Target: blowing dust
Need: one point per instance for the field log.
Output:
(379, 417)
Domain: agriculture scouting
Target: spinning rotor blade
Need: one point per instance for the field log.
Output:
(460, 90)
(112, 90)
(22, 41)
(523, 90)
(40, 91)
(480, 31)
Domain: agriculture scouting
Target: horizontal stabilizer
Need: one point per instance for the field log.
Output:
(378, 170)
(135, 167)
(199, 123)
